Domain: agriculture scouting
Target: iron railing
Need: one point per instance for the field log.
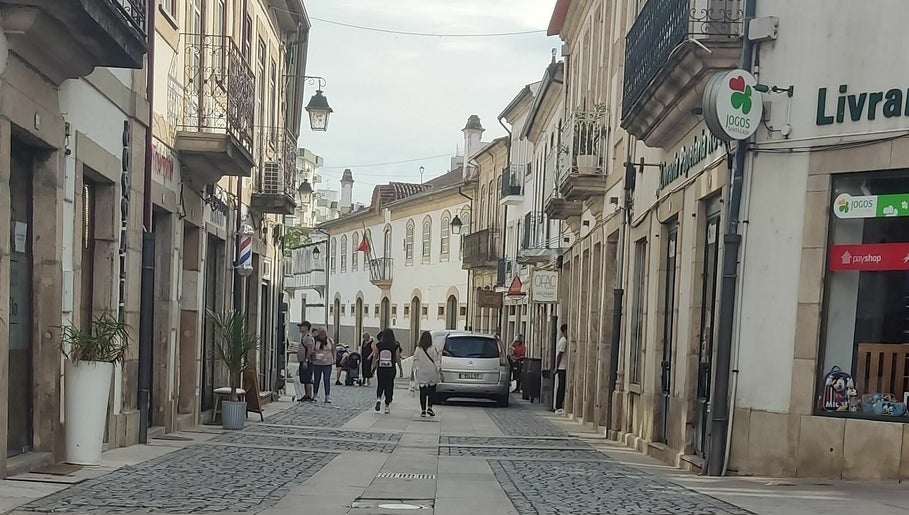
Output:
(512, 180)
(219, 90)
(380, 270)
(134, 11)
(481, 249)
(276, 161)
(661, 27)
(584, 143)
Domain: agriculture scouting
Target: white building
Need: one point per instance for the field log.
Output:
(411, 278)
(308, 178)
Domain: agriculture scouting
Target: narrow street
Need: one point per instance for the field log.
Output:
(344, 458)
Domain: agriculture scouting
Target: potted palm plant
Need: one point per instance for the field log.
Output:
(233, 344)
(91, 355)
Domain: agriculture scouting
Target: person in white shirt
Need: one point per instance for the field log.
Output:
(561, 368)
(427, 372)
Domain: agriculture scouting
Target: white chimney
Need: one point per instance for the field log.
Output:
(346, 192)
(473, 134)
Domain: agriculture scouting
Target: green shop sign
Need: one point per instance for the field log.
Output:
(866, 104)
(687, 157)
(871, 206)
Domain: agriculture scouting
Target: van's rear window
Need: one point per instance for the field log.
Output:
(471, 347)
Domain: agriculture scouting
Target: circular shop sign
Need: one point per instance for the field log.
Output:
(732, 106)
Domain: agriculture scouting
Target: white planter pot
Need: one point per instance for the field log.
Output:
(87, 393)
(587, 163)
(233, 414)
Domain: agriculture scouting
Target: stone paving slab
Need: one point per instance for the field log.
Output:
(516, 453)
(288, 442)
(347, 403)
(550, 488)
(197, 479)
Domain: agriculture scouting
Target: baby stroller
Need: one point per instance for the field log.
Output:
(351, 365)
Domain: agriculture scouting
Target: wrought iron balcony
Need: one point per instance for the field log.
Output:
(582, 163)
(556, 206)
(481, 249)
(275, 189)
(512, 185)
(381, 271)
(215, 129)
(67, 39)
(666, 63)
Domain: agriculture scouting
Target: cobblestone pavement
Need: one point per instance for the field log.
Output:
(321, 433)
(511, 453)
(347, 402)
(191, 480)
(554, 487)
(522, 421)
(307, 442)
(499, 441)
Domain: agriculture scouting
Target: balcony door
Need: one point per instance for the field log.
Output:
(707, 327)
(386, 249)
(415, 316)
(668, 329)
(451, 313)
(358, 314)
(195, 44)
(386, 313)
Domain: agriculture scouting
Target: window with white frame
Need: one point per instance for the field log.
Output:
(427, 239)
(408, 243)
(343, 253)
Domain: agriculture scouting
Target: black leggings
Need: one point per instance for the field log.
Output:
(426, 395)
(385, 384)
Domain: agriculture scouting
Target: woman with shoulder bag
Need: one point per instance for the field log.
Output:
(427, 366)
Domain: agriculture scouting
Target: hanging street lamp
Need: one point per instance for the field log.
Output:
(456, 224)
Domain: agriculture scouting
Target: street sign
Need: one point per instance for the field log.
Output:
(871, 206)
(869, 257)
(545, 286)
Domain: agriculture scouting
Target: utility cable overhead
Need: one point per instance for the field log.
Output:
(427, 34)
(384, 164)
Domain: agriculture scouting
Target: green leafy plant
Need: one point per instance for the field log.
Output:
(233, 343)
(105, 340)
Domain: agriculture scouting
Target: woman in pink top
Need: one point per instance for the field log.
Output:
(323, 357)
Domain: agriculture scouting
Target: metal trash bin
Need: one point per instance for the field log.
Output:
(532, 379)
(546, 389)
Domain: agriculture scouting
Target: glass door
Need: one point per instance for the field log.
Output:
(19, 425)
(707, 328)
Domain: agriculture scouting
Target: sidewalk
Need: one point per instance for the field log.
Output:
(761, 495)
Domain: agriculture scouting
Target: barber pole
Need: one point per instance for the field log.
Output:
(244, 260)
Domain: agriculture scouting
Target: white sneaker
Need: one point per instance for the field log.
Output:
(387, 409)
(560, 412)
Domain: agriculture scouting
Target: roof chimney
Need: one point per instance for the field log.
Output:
(473, 133)
(346, 192)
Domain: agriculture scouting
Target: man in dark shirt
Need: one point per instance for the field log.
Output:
(304, 356)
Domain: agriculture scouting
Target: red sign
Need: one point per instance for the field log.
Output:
(870, 257)
(162, 161)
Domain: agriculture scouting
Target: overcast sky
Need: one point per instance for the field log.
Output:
(400, 97)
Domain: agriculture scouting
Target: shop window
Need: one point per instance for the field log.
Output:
(637, 311)
(867, 298)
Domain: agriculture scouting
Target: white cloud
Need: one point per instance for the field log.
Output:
(400, 97)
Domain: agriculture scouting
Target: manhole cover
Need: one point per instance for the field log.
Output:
(392, 504)
(401, 475)
(399, 507)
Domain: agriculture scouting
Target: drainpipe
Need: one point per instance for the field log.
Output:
(618, 294)
(467, 300)
(147, 281)
(505, 213)
(732, 240)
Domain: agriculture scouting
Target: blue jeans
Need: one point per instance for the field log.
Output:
(321, 374)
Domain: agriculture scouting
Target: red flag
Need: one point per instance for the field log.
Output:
(363, 246)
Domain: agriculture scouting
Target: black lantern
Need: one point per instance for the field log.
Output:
(316, 251)
(305, 188)
(456, 224)
(319, 111)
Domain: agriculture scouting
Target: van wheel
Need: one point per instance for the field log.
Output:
(438, 400)
(502, 401)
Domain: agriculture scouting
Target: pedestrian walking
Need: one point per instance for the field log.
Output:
(427, 371)
(561, 369)
(366, 345)
(386, 355)
(304, 357)
(322, 360)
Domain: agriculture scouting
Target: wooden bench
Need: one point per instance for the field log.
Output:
(882, 368)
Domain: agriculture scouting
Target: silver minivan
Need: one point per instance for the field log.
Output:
(473, 365)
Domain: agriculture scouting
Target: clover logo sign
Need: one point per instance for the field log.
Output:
(741, 96)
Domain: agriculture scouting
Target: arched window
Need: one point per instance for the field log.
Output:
(444, 236)
(465, 221)
(482, 207)
(343, 253)
(334, 253)
(491, 206)
(451, 313)
(427, 238)
(386, 249)
(354, 244)
(408, 243)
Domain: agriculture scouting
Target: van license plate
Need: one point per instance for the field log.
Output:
(470, 376)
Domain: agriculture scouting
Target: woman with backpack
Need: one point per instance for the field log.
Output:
(427, 371)
(386, 356)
